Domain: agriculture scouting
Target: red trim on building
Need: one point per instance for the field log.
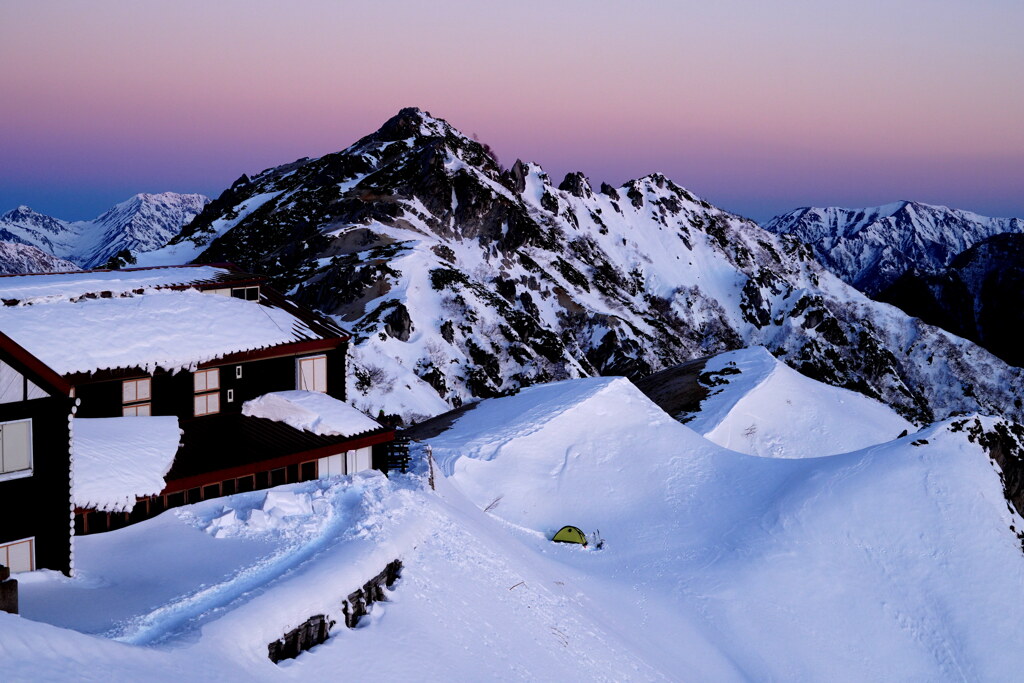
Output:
(290, 349)
(34, 365)
(217, 476)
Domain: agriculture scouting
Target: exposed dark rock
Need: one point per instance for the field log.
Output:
(398, 324)
(980, 296)
(577, 185)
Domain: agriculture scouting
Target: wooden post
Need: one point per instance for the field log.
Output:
(430, 462)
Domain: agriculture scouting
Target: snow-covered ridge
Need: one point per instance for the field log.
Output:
(139, 224)
(870, 248)
(32, 288)
(760, 406)
(16, 257)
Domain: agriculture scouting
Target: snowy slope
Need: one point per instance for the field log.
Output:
(461, 280)
(870, 248)
(142, 223)
(760, 406)
(811, 569)
(890, 563)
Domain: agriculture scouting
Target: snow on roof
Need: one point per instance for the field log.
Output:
(310, 411)
(168, 329)
(117, 459)
(69, 285)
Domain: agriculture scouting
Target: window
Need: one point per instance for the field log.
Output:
(231, 395)
(12, 384)
(16, 447)
(136, 395)
(16, 387)
(247, 293)
(19, 556)
(207, 391)
(238, 372)
(219, 292)
(313, 374)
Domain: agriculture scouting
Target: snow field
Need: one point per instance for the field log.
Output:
(891, 562)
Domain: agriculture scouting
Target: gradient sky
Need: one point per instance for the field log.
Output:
(760, 106)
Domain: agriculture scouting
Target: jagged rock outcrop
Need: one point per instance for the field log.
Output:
(462, 280)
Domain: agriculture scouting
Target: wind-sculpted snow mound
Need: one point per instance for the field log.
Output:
(586, 452)
(890, 562)
(760, 406)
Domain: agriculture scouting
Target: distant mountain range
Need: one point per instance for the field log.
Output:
(461, 279)
(142, 223)
(16, 258)
(870, 248)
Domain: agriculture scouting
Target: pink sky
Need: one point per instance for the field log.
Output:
(761, 107)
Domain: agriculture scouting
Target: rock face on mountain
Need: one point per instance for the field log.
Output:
(980, 296)
(16, 258)
(460, 280)
(142, 223)
(871, 248)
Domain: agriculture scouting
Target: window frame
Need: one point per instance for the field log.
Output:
(28, 471)
(298, 372)
(130, 408)
(247, 293)
(204, 393)
(31, 540)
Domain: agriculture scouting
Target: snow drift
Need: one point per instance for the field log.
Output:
(760, 406)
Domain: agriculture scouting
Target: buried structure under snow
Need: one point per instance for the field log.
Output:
(570, 534)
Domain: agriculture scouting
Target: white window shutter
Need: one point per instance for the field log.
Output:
(17, 442)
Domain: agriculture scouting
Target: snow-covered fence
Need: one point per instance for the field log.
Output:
(317, 628)
(358, 603)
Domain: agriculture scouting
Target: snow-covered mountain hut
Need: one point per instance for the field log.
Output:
(125, 393)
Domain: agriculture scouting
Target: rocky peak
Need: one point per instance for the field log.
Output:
(577, 185)
(459, 280)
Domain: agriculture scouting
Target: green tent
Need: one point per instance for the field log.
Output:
(570, 534)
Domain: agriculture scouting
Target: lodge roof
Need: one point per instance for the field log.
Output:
(37, 287)
(76, 324)
(118, 459)
(169, 330)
